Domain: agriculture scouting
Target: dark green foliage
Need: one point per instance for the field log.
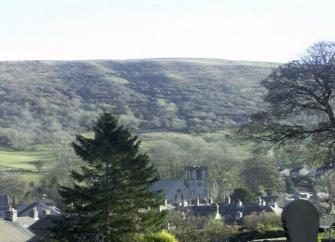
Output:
(46, 101)
(243, 195)
(304, 183)
(111, 195)
(289, 185)
(261, 175)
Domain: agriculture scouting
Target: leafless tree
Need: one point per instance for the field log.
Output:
(299, 101)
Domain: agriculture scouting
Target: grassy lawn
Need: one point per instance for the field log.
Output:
(22, 162)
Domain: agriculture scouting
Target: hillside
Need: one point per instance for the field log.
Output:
(42, 101)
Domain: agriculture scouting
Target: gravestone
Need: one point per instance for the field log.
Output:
(301, 221)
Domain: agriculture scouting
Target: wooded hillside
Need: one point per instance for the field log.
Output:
(43, 101)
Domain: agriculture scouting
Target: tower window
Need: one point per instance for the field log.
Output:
(199, 174)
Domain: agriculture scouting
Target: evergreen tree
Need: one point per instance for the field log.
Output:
(110, 199)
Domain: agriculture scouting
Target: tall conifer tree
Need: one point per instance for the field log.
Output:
(111, 198)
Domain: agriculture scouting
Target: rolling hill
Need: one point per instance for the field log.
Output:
(43, 101)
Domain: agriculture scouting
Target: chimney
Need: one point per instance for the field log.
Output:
(197, 202)
(11, 214)
(45, 212)
(35, 213)
(260, 201)
(239, 203)
(228, 200)
(238, 215)
(185, 203)
(275, 205)
(165, 202)
(210, 200)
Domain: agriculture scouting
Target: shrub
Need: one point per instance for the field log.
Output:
(190, 228)
(328, 234)
(161, 236)
(244, 195)
(262, 221)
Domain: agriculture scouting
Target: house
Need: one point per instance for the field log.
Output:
(285, 171)
(229, 212)
(43, 209)
(193, 185)
(235, 212)
(315, 198)
(11, 231)
(14, 228)
(299, 172)
(27, 222)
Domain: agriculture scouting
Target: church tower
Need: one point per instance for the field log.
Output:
(196, 179)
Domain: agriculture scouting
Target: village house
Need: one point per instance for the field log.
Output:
(284, 171)
(190, 195)
(300, 172)
(29, 222)
(228, 211)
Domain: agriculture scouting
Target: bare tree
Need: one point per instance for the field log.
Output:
(299, 101)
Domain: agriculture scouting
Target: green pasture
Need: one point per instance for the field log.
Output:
(23, 162)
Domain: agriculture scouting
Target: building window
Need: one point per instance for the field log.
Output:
(199, 174)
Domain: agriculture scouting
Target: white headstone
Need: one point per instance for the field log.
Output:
(217, 214)
(301, 220)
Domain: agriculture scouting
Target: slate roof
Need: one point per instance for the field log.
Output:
(228, 211)
(13, 232)
(164, 185)
(24, 208)
(41, 227)
(25, 222)
(203, 209)
(285, 169)
(297, 169)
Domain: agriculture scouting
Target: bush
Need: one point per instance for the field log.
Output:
(244, 195)
(328, 234)
(162, 236)
(262, 221)
(190, 228)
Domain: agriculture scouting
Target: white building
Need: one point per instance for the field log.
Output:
(193, 185)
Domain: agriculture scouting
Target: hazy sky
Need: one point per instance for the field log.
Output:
(268, 30)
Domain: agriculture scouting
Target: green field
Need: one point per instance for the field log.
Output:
(23, 162)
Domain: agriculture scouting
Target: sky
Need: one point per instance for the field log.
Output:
(259, 30)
